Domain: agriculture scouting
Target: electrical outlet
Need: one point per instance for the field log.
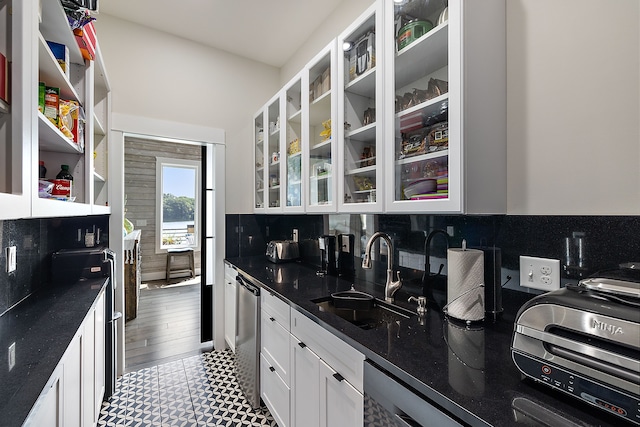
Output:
(12, 356)
(540, 273)
(451, 231)
(295, 234)
(11, 259)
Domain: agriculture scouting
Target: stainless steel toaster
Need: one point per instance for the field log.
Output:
(282, 251)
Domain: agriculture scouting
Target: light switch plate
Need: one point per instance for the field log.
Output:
(11, 259)
(540, 273)
(12, 356)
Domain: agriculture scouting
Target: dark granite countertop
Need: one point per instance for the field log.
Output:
(42, 326)
(465, 371)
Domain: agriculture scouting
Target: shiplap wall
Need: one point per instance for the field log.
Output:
(140, 189)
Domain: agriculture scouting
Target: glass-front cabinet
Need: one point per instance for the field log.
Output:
(320, 153)
(15, 113)
(294, 141)
(360, 135)
(259, 150)
(445, 124)
(274, 192)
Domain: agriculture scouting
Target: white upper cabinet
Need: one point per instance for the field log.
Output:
(295, 137)
(321, 123)
(405, 112)
(445, 99)
(16, 128)
(360, 100)
(28, 139)
(259, 158)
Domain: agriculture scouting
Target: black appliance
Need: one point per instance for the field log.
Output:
(346, 247)
(584, 340)
(389, 402)
(327, 246)
(72, 265)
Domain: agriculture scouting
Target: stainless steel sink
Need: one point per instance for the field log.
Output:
(377, 313)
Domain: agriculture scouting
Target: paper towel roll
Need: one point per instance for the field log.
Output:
(465, 284)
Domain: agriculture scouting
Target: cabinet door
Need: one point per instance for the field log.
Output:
(294, 140)
(321, 122)
(72, 383)
(305, 385)
(274, 392)
(340, 403)
(259, 160)
(420, 151)
(274, 188)
(16, 111)
(89, 370)
(230, 313)
(47, 412)
(360, 140)
(99, 354)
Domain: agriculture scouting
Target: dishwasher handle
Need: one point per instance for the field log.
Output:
(248, 286)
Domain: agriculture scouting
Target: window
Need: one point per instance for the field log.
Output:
(178, 203)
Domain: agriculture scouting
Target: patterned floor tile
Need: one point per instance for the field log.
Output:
(197, 391)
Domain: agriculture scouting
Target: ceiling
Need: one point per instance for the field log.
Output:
(268, 31)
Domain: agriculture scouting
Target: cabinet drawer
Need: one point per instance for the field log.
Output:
(274, 392)
(274, 342)
(277, 308)
(343, 358)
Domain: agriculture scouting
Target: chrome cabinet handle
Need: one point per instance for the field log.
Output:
(338, 377)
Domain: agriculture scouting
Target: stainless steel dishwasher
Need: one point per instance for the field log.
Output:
(248, 340)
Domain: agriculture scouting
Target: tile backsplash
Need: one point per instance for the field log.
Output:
(583, 244)
(35, 241)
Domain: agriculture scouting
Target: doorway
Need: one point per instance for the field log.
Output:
(165, 315)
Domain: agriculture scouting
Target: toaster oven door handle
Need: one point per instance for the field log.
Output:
(580, 348)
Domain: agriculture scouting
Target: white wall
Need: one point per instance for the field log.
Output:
(156, 75)
(573, 103)
(337, 22)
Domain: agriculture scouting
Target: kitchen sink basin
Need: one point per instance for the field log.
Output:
(374, 314)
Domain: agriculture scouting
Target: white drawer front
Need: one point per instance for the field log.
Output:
(343, 358)
(277, 308)
(275, 345)
(274, 392)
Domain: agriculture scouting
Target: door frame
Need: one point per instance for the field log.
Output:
(123, 125)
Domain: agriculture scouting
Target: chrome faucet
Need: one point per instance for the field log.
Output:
(390, 286)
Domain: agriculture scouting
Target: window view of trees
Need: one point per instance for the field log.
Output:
(176, 208)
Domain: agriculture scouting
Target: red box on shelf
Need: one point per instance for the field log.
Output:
(4, 78)
(86, 38)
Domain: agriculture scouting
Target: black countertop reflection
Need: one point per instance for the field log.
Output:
(42, 327)
(466, 371)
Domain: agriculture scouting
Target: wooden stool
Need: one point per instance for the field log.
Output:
(174, 255)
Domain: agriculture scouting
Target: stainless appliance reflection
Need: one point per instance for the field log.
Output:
(466, 358)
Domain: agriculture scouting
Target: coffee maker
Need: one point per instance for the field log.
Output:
(327, 246)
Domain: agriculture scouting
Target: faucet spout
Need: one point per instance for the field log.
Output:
(390, 286)
(427, 255)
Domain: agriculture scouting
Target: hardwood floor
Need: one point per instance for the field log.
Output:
(167, 327)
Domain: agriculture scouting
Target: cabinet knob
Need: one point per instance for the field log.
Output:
(338, 377)
(272, 369)
(302, 345)
(272, 319)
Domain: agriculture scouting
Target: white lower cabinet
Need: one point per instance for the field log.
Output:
(274, 357)
(340, 403)
(47, 412)
(72, 383)
(305, 394)
(327, 377)
(274, 392)
(73, 394)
